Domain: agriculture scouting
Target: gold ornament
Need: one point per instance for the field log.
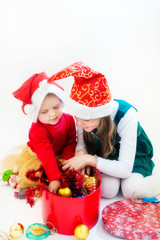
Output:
(91, 184)
(81, 232)
(86, 176)
(64, 192)
(16, 230)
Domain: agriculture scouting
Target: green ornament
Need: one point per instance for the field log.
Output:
(37, 231)
(6, 175)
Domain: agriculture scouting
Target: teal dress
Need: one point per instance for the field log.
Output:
(143, 163)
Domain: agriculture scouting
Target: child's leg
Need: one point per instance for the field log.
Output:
(140, 187)
(110, 186)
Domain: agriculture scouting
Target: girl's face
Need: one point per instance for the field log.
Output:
(51, 110)
(88, 125)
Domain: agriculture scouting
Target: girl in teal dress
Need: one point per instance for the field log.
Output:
(109, 136)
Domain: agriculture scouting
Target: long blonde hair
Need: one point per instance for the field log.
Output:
(105, 133)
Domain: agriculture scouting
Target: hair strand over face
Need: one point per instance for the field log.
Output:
(105, 134)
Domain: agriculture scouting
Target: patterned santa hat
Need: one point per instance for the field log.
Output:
(33, 91)
(90, 96)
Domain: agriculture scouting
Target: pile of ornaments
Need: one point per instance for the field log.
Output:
(34, 231)
(74, 184)
(40, 231)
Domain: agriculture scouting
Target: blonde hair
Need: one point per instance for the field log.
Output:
(105, 134)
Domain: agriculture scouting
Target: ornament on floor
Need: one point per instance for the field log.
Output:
(16, 231)
(39, 231)
(6, 175)
(152, 199)
(133, 219)
(11, 177)
(21, 193)
(81, 232)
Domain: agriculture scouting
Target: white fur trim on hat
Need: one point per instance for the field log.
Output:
(38, 96)
(84, 112)
(30, 111)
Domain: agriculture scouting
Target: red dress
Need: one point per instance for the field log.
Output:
(49, 141)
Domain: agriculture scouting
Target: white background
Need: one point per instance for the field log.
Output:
(120, 38)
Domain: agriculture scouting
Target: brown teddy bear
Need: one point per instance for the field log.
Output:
(29, 168)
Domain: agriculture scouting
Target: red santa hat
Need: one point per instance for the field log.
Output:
(90, 96)
(33, 91)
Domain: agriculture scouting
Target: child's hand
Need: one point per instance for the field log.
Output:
(79, 162)
(54, 186)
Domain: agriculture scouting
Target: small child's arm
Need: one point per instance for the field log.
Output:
(41, 145)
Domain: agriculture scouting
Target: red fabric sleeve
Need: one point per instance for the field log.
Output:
(40, 144)
(68, 150)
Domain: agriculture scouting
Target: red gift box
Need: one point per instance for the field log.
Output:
(66, 213)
